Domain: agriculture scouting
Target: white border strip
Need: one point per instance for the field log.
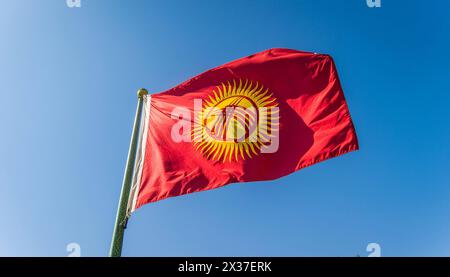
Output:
(140, 154)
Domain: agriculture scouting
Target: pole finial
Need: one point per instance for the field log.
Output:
(141, 92)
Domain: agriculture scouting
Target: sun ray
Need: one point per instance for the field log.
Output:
(236, 120)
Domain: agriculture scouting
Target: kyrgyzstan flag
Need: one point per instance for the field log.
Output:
(257, 118)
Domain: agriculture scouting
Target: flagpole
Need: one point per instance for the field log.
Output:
(121, 217)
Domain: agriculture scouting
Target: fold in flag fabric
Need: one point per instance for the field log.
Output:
(257, 118)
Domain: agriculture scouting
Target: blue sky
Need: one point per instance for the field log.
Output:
(68, 81)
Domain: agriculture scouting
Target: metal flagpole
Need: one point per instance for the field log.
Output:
(121, 217)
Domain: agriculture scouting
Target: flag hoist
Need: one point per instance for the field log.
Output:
(122, 210)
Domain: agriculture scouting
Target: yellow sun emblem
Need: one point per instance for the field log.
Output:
(235, 121)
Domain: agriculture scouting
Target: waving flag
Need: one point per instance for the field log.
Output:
(257, 118)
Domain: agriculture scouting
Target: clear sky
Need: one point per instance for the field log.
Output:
(68, 81)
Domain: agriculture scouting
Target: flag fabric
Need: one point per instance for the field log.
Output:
(257, 118)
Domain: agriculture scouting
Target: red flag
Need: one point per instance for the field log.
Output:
(257, 118)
